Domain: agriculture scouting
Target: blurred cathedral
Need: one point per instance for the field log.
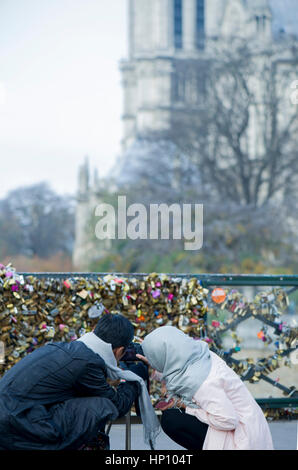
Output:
(163, 35)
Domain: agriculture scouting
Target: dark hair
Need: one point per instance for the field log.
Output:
(115, 329)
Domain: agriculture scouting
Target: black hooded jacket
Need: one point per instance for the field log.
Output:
(57, 397)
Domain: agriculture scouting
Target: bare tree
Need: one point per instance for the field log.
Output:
(242, 134)
(34, 220)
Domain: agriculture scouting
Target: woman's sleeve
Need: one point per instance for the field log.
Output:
(216, 409)
(156, 375)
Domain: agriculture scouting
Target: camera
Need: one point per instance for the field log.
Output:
(131, 351)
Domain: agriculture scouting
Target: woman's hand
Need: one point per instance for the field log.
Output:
(171, 404)
(143, 358)
(163, 389)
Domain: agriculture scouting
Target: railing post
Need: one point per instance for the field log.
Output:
(128, 431)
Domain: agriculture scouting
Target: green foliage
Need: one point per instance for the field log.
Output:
(181, 262)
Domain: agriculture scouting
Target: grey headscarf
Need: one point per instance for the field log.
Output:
(183, 361)
(150, 421)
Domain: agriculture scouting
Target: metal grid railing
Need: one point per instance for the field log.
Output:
(209, 281)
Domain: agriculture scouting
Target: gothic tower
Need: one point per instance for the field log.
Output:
(159, 31)
(163, 36)
(87, 248)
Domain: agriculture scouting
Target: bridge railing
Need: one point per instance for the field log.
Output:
(271, 297)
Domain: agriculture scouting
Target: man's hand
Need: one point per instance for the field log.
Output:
(113, 383)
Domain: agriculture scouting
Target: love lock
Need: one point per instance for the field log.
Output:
(249, 374)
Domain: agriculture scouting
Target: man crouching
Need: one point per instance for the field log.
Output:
(58, 397)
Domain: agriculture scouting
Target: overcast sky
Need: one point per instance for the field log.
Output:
(60, 89)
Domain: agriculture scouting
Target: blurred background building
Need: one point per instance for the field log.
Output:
(164, 36)
(167, 82)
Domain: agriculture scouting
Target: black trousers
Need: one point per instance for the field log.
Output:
(184, 429)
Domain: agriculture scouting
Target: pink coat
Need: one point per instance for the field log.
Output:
(235, 419)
